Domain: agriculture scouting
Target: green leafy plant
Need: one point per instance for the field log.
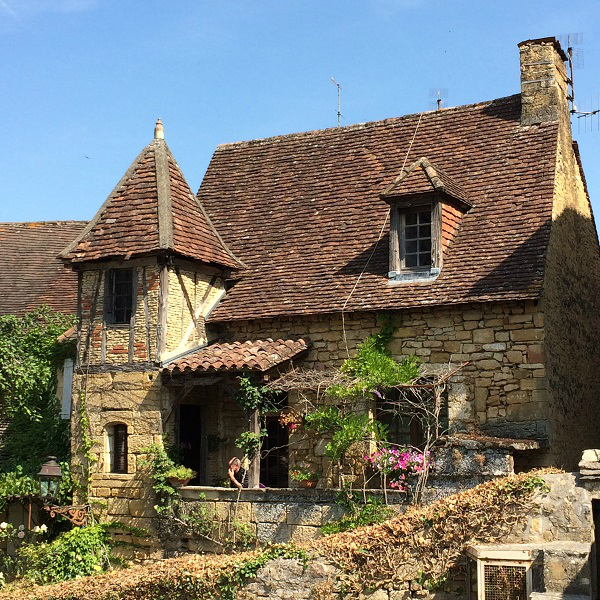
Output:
(75, 553)
(159, 464)
(304, 472)
(250, 442)
(253, 397)
(373, 367)
(345, 429)
(359, 513)
(180, 472)
(29, 355)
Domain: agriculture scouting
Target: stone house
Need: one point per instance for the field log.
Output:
(470, 226)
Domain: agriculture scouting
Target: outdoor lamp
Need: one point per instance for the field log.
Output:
(49, 477)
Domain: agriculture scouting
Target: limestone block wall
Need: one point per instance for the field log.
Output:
(503, 389)
(136, 399)
(119, 344)
(572, 308)
(274, 515)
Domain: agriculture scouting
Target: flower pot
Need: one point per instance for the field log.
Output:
(178, 482)
(307, 483)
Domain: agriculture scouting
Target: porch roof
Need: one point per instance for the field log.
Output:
(251, 355)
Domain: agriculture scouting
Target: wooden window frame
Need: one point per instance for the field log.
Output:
(110, 296)
(397, 270)
(118, 452)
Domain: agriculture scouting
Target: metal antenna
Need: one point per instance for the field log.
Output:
(575, 60)
(440, 95)
(339, 108)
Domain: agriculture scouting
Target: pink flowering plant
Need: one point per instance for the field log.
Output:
(398, 464)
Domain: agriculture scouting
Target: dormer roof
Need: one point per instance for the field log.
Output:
(421, 177)
(151, 210)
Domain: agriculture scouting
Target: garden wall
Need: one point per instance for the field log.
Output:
(558, 531)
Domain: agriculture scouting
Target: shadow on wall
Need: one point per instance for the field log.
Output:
(570, 302)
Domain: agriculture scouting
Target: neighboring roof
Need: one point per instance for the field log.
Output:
(304, 213)
(255, 355)
(152, 209)
(30, 272)
(422, 177)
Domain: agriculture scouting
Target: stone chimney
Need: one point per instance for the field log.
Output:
(544, 88)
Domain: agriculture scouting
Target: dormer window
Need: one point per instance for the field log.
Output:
(415, 249)
(425, 211)
(119, 296)
(414, 242)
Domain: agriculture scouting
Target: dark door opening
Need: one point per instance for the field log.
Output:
(274, 460)
(190, 440)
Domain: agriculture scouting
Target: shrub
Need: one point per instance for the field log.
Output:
(75, 553)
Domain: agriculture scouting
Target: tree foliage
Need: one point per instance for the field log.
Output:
(29, 355)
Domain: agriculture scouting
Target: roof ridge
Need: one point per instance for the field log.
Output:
(358, 126)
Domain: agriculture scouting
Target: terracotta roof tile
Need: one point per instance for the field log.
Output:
(152, 209)
(422, 177)
(255, 355)
(30, 272)
(304, 212)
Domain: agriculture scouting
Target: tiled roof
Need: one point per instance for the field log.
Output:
(304, 212)
(152, 209)
(422, 177)
(256, 355)
(30, 272)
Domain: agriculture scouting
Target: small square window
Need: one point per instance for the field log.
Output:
(119, 296)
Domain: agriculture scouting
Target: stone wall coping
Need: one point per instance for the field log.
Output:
(476, 442)
(113, 476)
(301, 495)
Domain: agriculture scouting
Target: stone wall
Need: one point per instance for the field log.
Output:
(558, 533)
(137, 400)
(273, 515)
(503, 389)
(572, 309)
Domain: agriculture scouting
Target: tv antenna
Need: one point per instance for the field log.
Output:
(440, 95)
(339, 106)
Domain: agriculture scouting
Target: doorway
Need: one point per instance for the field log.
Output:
(274, 460)
(192, 453)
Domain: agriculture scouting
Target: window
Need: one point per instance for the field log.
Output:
(117, 447)
(415, 239)
(119, 296)
(409, 429)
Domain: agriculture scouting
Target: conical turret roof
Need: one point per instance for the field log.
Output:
(151, 210)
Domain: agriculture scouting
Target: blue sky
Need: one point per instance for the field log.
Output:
(83, 81)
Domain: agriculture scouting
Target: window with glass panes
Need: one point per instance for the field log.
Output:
(119, 297)
(416, 239)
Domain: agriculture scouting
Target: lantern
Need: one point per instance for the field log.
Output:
(49, 477)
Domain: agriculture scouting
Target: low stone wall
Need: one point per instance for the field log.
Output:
(558, 532)
(273, 515)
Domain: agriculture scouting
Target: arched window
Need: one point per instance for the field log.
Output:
(117, 447)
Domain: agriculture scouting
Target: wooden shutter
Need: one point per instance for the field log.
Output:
(120, 449)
